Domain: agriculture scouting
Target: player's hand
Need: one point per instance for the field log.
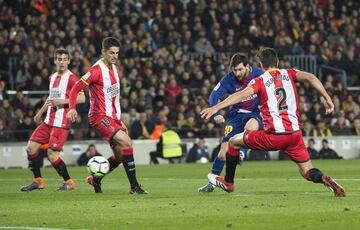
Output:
(207, 113)
(329, 106)
(72, 115)
(38, 119)
(54, 102)
(219, 119)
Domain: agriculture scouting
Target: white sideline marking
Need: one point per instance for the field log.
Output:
(30, 228)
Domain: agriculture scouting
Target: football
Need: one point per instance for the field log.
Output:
(98, 166)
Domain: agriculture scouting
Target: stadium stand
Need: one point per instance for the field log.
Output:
(174, 52)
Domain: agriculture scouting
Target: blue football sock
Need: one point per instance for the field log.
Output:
(244, 151)
(218, 166)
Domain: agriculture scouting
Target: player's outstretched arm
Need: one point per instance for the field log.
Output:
(316, 83)
(72, 114)
(230, 100)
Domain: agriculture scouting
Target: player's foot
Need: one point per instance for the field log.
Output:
(38, 183)
(220, 182)
(336, 188)
(97, 186)
(67, 186)
(137, 190)
(206, 188)
(241, 157)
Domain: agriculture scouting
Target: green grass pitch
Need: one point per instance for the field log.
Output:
(268, 195)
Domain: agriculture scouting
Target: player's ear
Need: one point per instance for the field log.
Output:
(103, 51)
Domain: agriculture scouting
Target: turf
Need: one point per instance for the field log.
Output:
(268, 195)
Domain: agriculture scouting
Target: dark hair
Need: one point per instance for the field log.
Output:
(312, 140)
(61, 51)
(268, 57)
(236, 59)
(110, 42)
(325, 141)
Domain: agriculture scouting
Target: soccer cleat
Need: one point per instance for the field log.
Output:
(67, 186)
(336, 188)
(241, 157)
(220, 182)
(97, 186)
(137, 190)
(38, 183)
(206, 188)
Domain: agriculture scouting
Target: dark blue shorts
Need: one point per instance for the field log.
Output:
(236, 124)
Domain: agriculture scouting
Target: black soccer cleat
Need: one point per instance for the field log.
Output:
(137, 190)
(97, 186)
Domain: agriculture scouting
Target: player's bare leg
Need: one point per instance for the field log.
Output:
(32, 150)
(315, 175)
(60, 167)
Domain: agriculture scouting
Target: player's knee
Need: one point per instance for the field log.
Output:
(122, 140)
(235, 141)
(52, 155)
(31, 150)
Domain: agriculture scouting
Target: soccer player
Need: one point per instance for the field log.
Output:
(279, 108)
(242, 116)
(55, 128)
(103, 80)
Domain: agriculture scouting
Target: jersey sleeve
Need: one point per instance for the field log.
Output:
(292, 73)
(217, 93)
(91, 76)
(255, 84)
(73, 79)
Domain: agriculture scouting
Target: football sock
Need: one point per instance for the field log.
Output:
(232, 159)
(218, 166)
(244, 151)
(129, 165)
(114, 163)
(34, 164)
(61, 169)
(314, 175)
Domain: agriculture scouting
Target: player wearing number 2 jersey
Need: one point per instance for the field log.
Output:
(281, 119)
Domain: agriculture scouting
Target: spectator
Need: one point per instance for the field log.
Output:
(25, 129)
(312, 151)
(87, 155)
(326, 152)
(356, 129)
(168, 147)
(142, 128)
(199, 153)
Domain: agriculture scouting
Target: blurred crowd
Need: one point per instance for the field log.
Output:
(173, 54)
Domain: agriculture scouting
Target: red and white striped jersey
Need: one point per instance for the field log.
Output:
(279, 106)
(104, 89)
(59, 88)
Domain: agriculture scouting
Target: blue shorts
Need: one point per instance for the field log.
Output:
(236, 124)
